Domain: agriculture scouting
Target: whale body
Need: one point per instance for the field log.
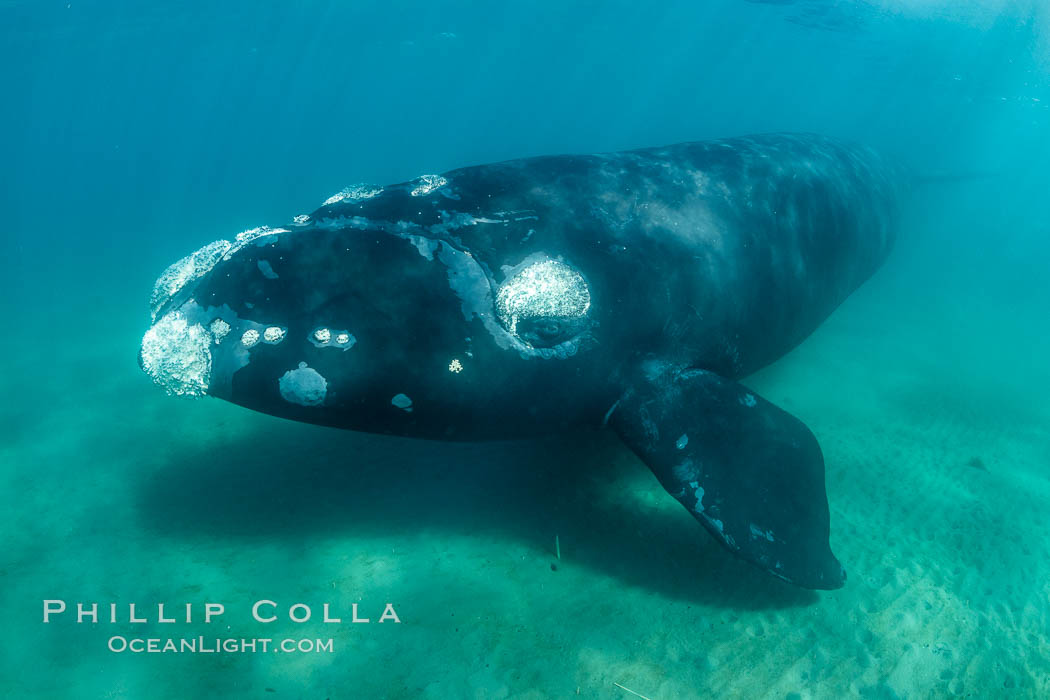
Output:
(630, 290)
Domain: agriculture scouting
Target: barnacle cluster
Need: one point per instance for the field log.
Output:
(425, 184)
(219, 329)
(324, 337)
(190, 268)
(246, 237)
(354, 193)
(177, 355)
(548, 289)
(274, 334)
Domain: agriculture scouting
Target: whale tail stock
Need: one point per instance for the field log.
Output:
(749, 472)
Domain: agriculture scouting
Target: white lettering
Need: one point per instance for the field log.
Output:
(389, 614)
(259, 604)
(213, 610)
(53, 607)
(302, 606)
(82, 613)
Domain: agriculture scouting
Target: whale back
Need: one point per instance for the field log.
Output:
(722, 254)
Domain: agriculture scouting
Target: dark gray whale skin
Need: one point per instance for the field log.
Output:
(540, 295)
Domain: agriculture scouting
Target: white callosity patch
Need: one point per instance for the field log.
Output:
(546, 289)
(188, 269)
(748, 400)
(250, 338)
(253, 234)
(403, 402)
(455, 366)
(324, 337)
(219, 329)
(177, 355)
(274, 334)
(301, 219)
(354, 193)
(681, 442)
(425, 184)
(304, 386)
(246, 237)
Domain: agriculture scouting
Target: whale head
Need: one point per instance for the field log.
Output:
(389, 331)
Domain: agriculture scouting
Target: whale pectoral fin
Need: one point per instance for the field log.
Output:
(751, 473)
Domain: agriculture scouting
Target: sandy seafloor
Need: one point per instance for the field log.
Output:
(927, 391)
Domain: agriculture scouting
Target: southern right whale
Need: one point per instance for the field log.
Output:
(627, 289)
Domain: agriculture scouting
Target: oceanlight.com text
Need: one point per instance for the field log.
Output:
(218, 645)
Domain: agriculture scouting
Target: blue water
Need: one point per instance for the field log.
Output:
(133, 133)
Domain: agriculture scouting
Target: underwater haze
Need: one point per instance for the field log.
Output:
(134, 133)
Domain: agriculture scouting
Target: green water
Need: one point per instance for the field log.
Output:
(923, 390)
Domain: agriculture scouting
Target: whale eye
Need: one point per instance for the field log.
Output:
(548, 328)
(548, 332)
(544, 304)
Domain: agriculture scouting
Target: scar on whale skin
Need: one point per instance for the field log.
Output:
(267, 270)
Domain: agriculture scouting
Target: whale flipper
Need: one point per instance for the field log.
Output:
(751, 473)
